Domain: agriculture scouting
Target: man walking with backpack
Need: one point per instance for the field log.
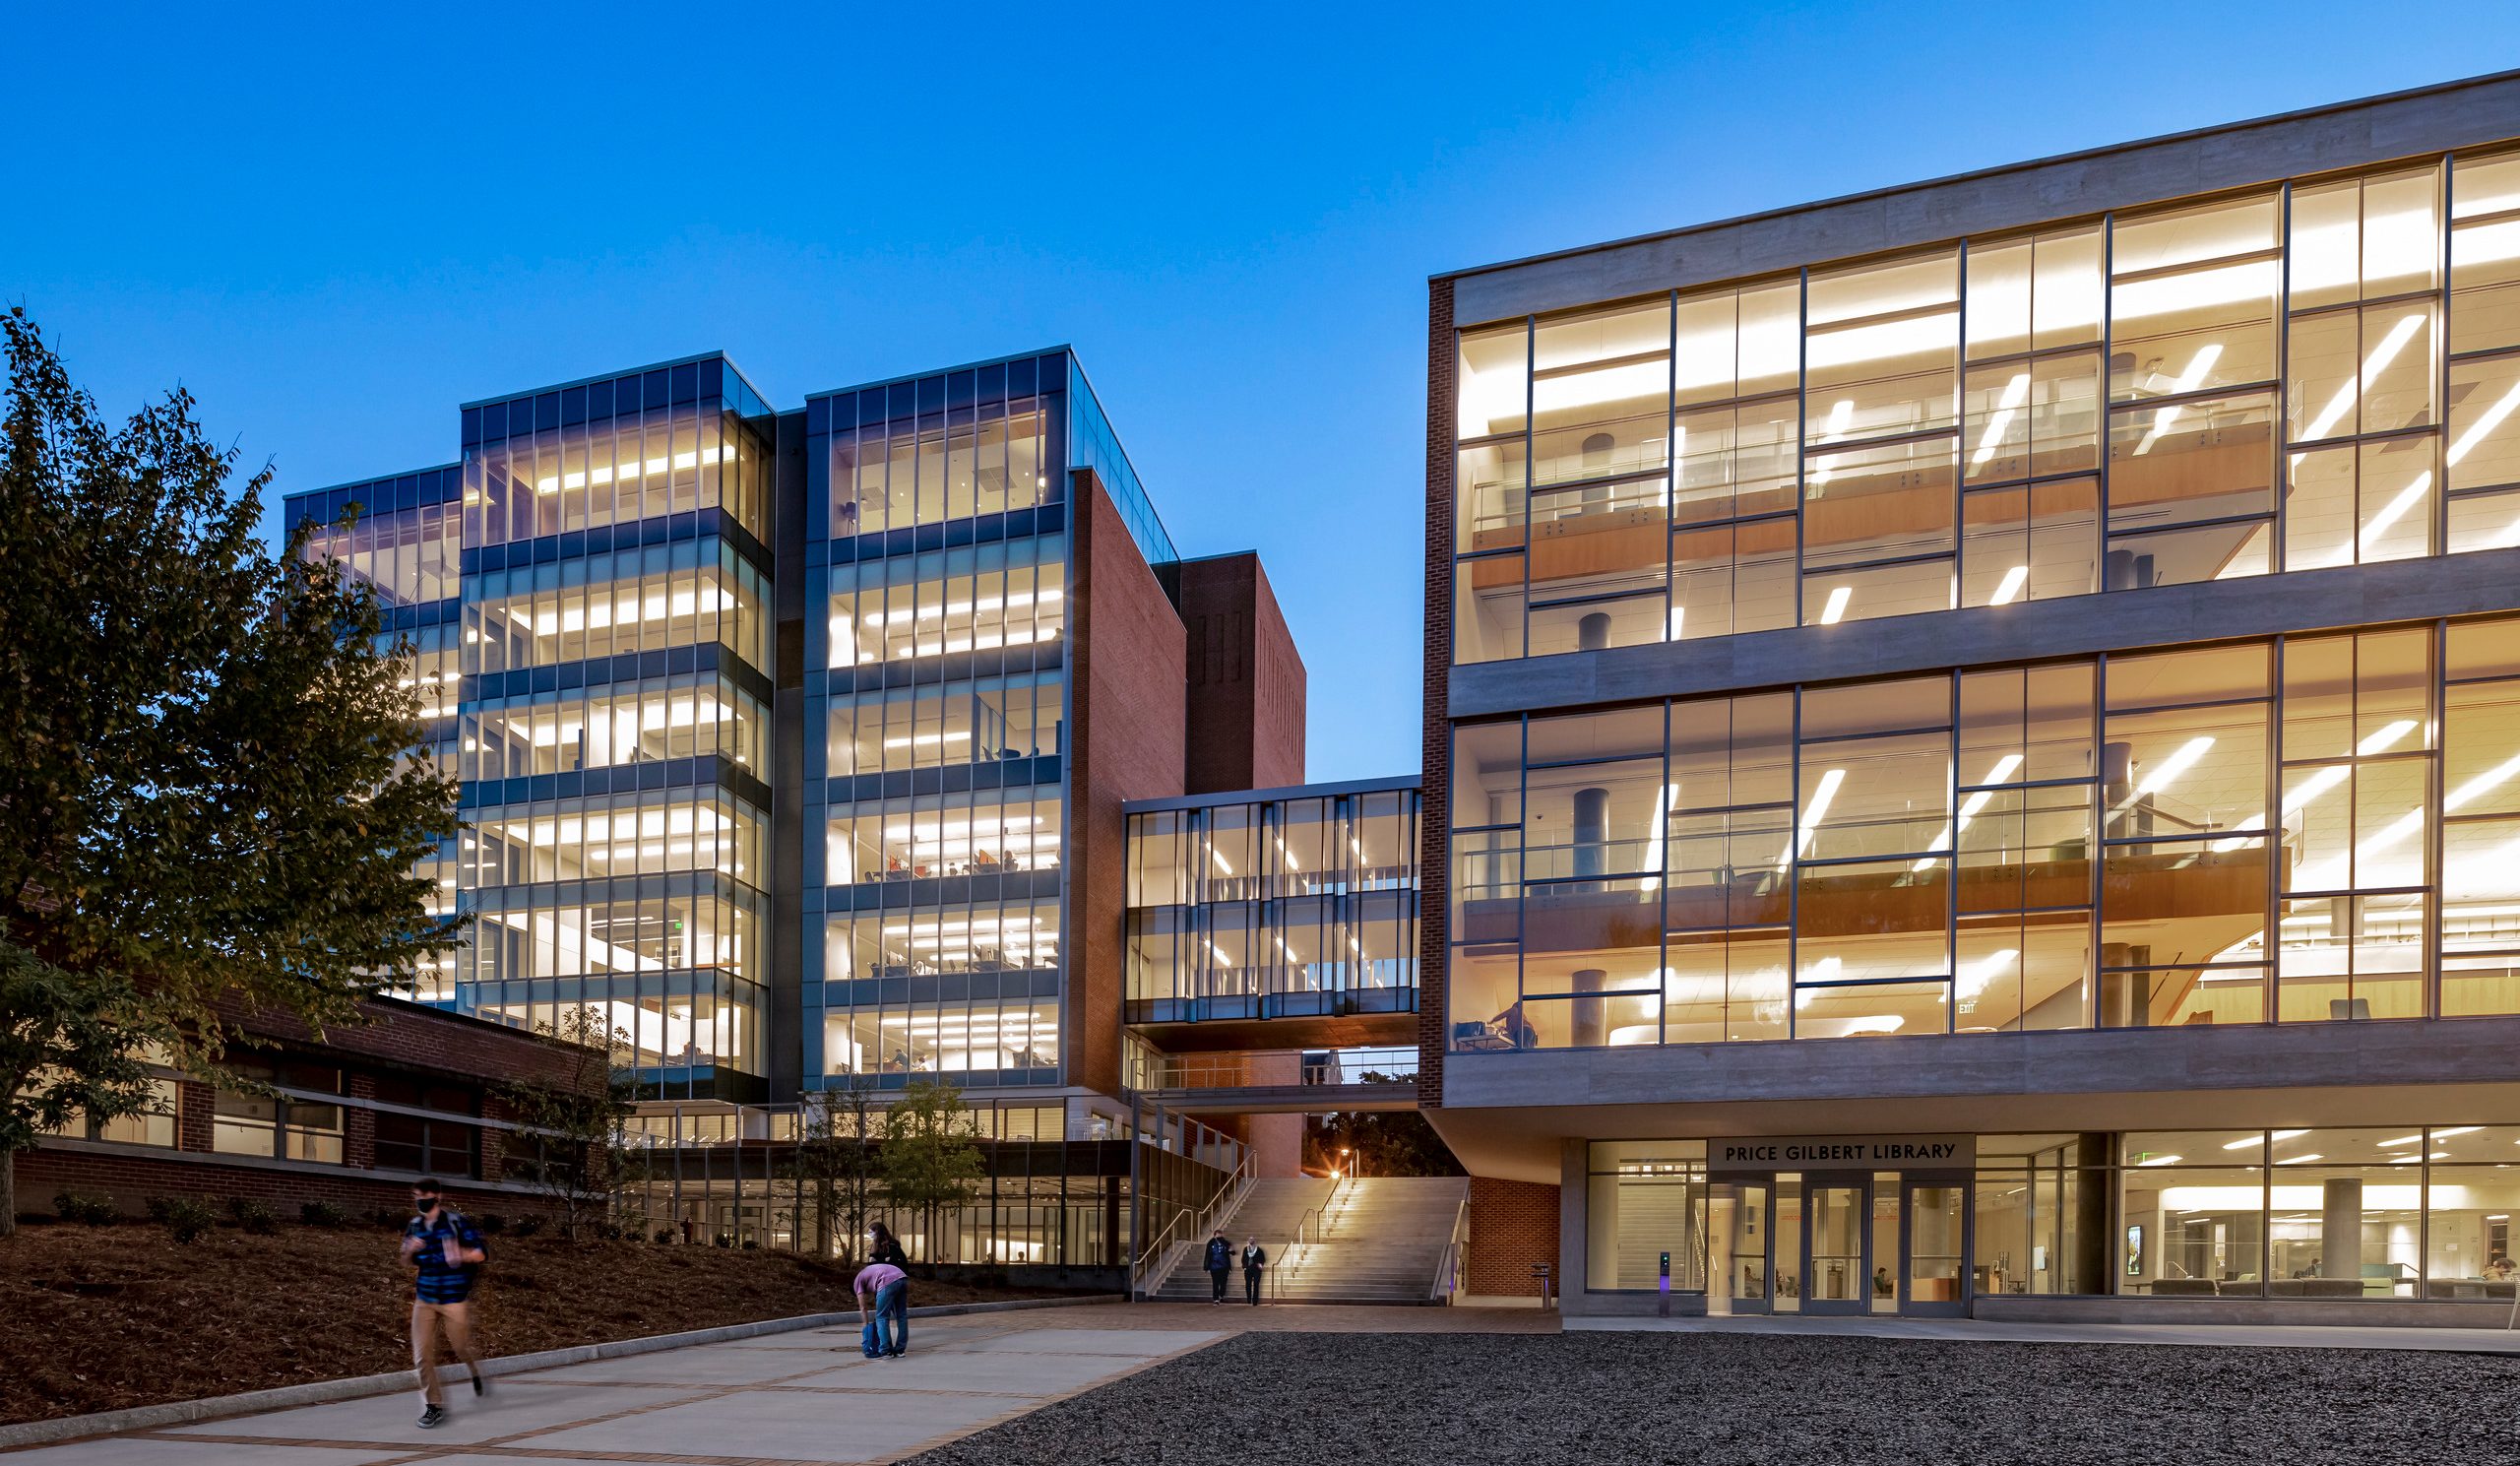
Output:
(1219, 1262)
(447, 1250)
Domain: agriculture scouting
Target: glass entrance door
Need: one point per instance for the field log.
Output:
(1745, 1267)
(1934, 1273)
(1835, 1278)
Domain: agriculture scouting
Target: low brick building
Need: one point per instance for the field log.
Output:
(354, 1117)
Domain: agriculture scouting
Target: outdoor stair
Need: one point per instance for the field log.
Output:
(1376, 1240)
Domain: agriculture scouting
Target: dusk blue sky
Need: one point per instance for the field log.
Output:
(335, 226)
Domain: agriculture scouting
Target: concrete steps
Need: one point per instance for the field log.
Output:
(1375, 1240)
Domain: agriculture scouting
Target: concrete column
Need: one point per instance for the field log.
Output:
(2341, 1229)
(2125, 997)
(1592, 831)
(2117, 792)
(2092, 1243)
(1589, 1027)
(1593, 632)
(1574, 1222)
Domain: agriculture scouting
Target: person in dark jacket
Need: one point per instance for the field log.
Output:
(888, 1248)
(1255, 1259)
(1220, 1261)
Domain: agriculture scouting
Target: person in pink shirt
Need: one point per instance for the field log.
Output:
(889, 1287)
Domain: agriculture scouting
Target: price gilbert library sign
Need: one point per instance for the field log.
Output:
(1843, 1153)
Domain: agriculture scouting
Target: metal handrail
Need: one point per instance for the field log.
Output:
(1227, 1195)
(1320, 1215)
(1448, 1267)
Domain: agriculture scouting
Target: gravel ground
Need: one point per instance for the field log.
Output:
(1464, 1399)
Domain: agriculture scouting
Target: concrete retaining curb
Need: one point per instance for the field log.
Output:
(325, 1391)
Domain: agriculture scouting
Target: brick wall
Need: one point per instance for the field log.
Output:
(1513, 1223)
(1127, 676)
(1246, 680)
(130, 1175)
(1434, 853)
(390, 1038)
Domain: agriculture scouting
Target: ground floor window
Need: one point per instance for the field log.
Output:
(270, 1121)
(1646, 1199)
(152, 1127)
(2378, 1212)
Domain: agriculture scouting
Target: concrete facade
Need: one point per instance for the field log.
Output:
(1529, 1117)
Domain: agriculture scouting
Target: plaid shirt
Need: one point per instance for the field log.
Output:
(437, 1282)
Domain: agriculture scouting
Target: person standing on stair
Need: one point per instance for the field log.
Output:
(1219, 1262)
(1255, 1259)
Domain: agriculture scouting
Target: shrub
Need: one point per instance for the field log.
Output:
(492, 1223)
(184, 1217)
(158, 1207)
(725, 1238)
(664, 1234)
(255, 1218)
(320, 1214)
(527, 1225)
(87, 1211)
(386, 1216)
(752, 1244)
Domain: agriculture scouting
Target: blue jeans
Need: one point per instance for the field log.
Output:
(892, 1318)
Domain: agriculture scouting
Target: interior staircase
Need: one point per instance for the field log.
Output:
(1376, 1240)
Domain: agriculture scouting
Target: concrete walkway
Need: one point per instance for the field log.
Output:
(777, 1400)
(1975, 1330)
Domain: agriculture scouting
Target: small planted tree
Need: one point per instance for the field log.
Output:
(836, 1159)
(574, 1145)
(206, 806)
(930, 1161)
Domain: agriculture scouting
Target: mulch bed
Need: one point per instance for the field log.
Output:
(101, 1318)
(1291, 1399)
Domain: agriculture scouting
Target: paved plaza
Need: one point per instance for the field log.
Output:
(797, 1397)
(1174, 1384)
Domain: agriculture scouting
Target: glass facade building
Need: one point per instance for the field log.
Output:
(937, 650)
(1979, 769)
(1283, 904)
(591, 601)
(768, 731)
(2311, 373)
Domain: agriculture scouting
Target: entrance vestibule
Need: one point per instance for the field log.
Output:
(1840, 1243)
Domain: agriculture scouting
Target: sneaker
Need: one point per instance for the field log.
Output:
(480, 1386)
(433, 1417)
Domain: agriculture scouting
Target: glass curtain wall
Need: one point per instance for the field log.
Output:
(2274, 381)
(937, 679)
(615, 740)
(1275, 908)
(2260, 832)
(403, 543)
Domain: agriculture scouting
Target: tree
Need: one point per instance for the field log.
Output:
(836, 1155)
(573, 1146)
(1380, 1142)
(929, 1160)
(206, 806)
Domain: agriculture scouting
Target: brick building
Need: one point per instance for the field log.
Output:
(354, 1117)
